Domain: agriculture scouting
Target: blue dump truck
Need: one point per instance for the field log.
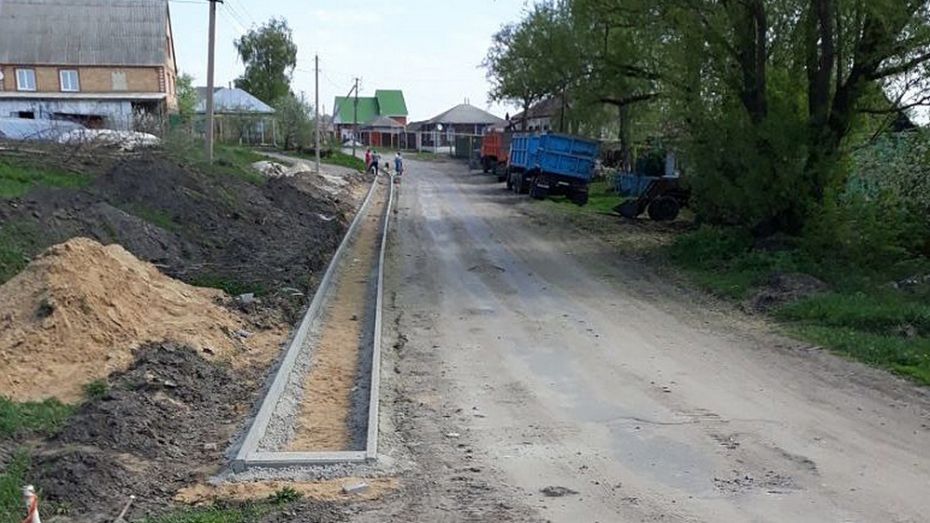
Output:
(551, 164)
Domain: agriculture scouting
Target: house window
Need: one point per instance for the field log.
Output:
(26, 79)
(119, 80)
(69, 80)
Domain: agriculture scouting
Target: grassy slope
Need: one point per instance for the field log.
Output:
(862, 317)
(334, 158)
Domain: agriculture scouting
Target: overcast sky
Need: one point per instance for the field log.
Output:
(431, 49)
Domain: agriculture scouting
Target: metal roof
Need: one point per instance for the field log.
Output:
(391, 102)
(385, 102)
(367, 109)
(231, 101)
(84, 32)
(466, 114)
(384, 121)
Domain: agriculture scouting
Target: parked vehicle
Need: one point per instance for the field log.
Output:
(495, 150)
(651, 190)
(552, 164)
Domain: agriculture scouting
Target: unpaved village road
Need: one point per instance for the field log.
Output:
(527, 355)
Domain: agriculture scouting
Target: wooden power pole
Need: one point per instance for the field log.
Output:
(316, 107)
(355, 119)
(211, 45)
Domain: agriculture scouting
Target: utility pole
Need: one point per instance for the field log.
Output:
(355, 119)
(316, 107)
(211, 45)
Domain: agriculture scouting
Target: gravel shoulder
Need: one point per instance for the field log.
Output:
(536, 373)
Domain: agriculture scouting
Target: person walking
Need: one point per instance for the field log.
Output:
(375, 158)
(398, 164)
(368, 160)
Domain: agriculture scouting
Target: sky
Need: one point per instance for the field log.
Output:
(430, 49)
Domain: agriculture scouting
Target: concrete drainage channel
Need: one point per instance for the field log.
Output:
(322, 405)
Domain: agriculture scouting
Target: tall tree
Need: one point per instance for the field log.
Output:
(187, 95)
(535, 58)
(294, 121)
(270, 55)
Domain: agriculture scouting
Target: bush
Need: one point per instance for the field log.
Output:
(746, 174)
(868, 234)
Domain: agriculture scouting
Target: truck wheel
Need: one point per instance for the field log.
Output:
(485, 164)
(537, 192)
(523, 184)
(500, 170)
(509, 180)
(664, 209)
(629, 209)
(579, 198)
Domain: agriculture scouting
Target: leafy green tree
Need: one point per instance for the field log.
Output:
(294, 121)
(270, 55)
(187, 96)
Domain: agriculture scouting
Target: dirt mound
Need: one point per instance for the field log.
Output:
(784, 288)
(162, 425)
(205, 228)
(77, 311)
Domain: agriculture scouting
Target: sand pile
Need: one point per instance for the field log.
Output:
(77, 311)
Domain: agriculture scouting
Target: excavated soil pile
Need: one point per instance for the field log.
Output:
(77, 311)
(208, 229)
(162, 425)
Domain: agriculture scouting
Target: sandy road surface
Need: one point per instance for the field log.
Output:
(527, 355)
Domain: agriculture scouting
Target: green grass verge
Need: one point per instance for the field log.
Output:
(38, 418)
(333, 158)
(230, 286)
(17, 177)
(345, 160)
(601, 199)
(906, 356)
(11, 483)
(862, 317)
(17, 240)
(228, 160)
(247, 513)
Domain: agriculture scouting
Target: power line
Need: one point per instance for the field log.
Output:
(230, 15)
(233, 10)
(233, 23)
(245, 10)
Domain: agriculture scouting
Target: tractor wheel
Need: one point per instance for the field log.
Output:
(664, 209)
(629, 209)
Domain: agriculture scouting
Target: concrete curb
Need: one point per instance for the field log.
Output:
(371, 447)
(248, 454)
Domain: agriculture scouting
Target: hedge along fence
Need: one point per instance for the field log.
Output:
(896, 165)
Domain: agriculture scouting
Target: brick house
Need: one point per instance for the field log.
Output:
(101, 63)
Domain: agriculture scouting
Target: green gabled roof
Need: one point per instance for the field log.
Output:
(367, 109)
(385, 102)
(391, 102)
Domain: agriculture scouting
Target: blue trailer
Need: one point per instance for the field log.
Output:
(552, 164)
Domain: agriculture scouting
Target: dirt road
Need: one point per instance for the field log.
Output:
(528, 355)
